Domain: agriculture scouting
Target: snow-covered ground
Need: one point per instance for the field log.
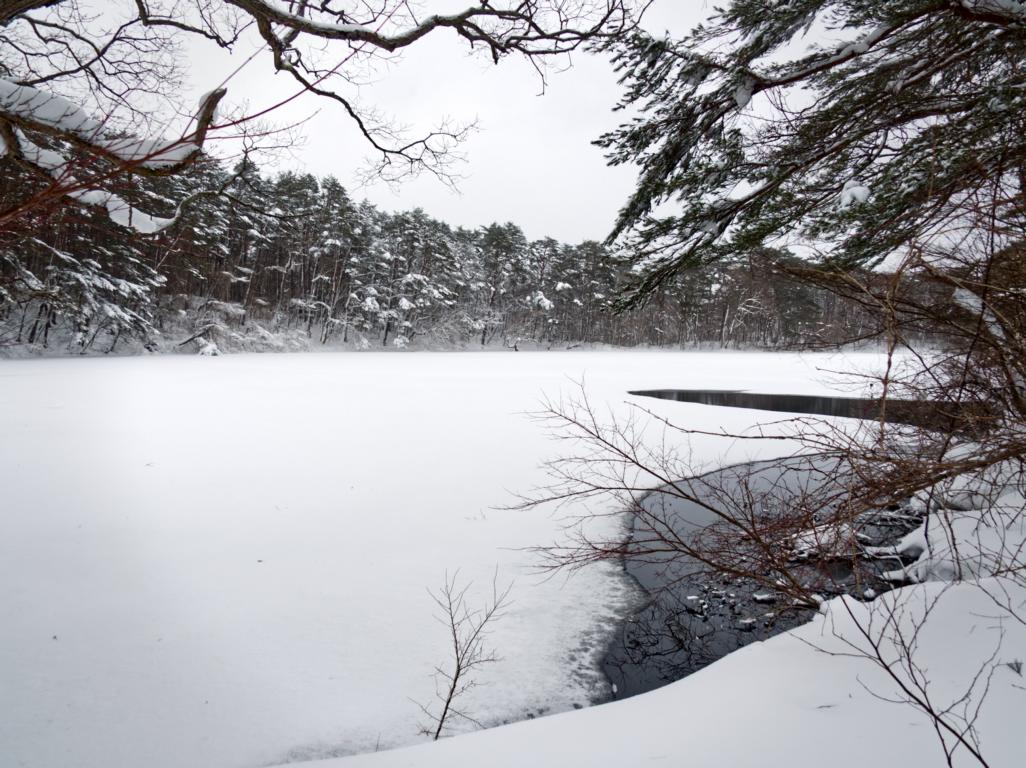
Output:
(793, 700)
(224, 561)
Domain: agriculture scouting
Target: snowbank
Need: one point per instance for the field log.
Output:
(791, 700)
(968, 534)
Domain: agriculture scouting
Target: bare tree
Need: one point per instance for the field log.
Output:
(468, 630)
(79, 86)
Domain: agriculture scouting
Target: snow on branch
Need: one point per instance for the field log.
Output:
(318, 44)
(1002, 12)
(533, 28)
(30, 108)
(527, 27)
(24, 107)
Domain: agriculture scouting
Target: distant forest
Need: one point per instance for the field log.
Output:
(292, 260)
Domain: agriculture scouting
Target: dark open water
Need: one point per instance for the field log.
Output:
(690, 618)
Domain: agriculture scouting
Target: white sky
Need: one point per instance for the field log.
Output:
(531, 161)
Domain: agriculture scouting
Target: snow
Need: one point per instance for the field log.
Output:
(223, 561)
(1014, 10)
(712, 227)
(743, 92)
(119, 211)
(58, 113)
(280, 14)
(128, 216)
(970, 301)
(52, 162)
(540, 301)
(791, 700)
(972, 544)
(42, 110)
(45, 108)
(853, 192)
(968, 533)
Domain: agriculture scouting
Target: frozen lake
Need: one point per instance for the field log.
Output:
(224, 561)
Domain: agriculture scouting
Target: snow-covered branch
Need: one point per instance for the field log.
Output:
(72, 78)
(528, 27)
(24, 108)
(34, 109)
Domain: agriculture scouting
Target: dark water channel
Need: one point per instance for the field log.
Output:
(691, 617)
(915, 412)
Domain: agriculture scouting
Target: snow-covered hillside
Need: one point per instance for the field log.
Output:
(224, 561)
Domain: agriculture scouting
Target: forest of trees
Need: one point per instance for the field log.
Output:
(285, 261)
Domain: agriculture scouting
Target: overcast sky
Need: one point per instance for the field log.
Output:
(531, 161)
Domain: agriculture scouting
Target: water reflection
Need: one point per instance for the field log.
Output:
(692, 616)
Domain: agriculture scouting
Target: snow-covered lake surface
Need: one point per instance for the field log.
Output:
(224, 561)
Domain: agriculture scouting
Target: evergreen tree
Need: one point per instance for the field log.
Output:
(858, 151)
(256, 262)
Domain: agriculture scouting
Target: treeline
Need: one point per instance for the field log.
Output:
(259, 262)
